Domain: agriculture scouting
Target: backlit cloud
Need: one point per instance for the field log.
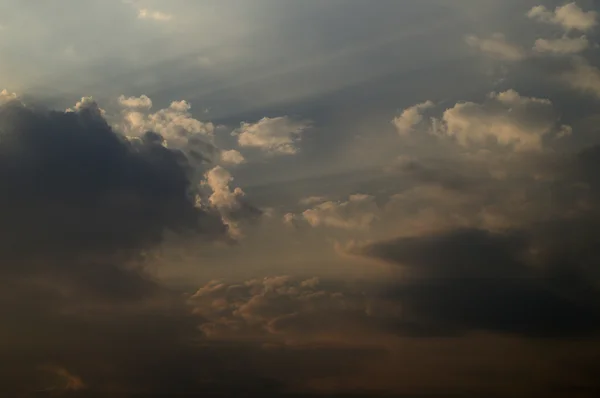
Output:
(232, 157)
(411, 117)
(276, 136)
(506, 118)
(175, 123)
(569, 16)
(564, 45)
(357, 213)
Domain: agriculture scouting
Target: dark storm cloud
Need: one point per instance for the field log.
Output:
(80, 208)
(471, 280)
(541, 279)
(79, 200)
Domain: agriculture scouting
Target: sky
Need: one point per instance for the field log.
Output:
(308, 198)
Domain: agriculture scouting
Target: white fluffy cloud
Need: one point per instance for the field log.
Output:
(496, 46)
(507, 118)
(218, 180)
(141, 102)
(583, 77)
(357, 213)
(410, 117)
(232, 157)
(175, 123)
(564, 45)
(570, 16)
(225, 200)
(278, 136)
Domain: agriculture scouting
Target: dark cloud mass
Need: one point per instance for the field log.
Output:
(80, 200)
(81, 207)
(537, 279)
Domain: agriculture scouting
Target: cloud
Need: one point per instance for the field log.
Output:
(582, 77)
(145, 13)
(232, 157)
(279, 308)
(141, 102)
(564, 45)
(229, 203)
(428, 207)
(532, 278)
(411, 117)
(507, 118)
(6, 96)
(569, 16)
(218, 180)
(496, 46)
(357, 213)
(87, 103)
(276, 136)
(176, 125)
(83, 211)
(469, 279)
(81, 202)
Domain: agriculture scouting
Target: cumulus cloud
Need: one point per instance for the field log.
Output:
(357, 213)
(411, 117)
(87, 103)
(564, 45)
(276, 136)
(230, 203)
(496, 46)
(232, 157)
(218, 180)
(175, 123)
(507, 118)
(141, 102)
(569, 16)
